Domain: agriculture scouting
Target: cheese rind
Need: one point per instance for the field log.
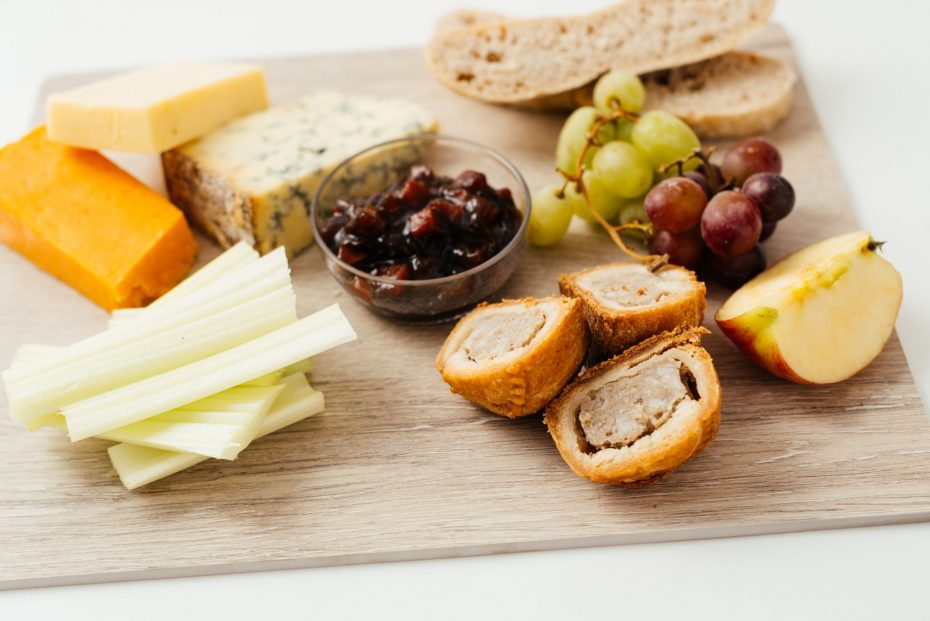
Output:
(155, 109)
(81, 218)
(254, 179)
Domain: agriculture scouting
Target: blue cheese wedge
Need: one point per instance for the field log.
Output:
(253, 180)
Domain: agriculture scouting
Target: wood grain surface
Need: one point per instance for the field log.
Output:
(399, 468)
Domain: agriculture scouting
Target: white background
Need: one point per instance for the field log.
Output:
(866, 64)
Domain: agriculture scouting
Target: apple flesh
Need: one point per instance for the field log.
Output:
(820, 315)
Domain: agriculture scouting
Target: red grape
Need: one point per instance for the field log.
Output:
(685, 249)
(675, 204)
(735, 271)
(714, 175)
(731, 224)
(701, 180)
(771, 193)
(749, 157)
(767, 229)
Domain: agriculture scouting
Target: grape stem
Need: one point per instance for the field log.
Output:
(654, 262)
(701, 153)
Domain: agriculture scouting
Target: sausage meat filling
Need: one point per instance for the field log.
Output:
(635, 404)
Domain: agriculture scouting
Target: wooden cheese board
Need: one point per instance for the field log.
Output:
(399, 468)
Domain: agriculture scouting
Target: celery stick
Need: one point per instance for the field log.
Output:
(231, 260)
(268, 274)
(221, 432)
(241, 395)
(141, 359)
(280, 300)
(284, 411)
(213, 434)
(138, 466)
(235, 258)
(30, 352)
(54, 364)
(296, 402)
(219, 417)
(205, 439)
(226, 407)
(269, 379)
(303, 366)
(127, 404)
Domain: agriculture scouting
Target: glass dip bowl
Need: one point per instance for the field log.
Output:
(374, 170)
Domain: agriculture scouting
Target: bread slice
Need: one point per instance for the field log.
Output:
(466, 18)
(518, 61)
(625, 302)
(513, 357)
(733, 94)
(633, 419)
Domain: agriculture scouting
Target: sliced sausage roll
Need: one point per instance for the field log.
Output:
(634, 418)
(625, 302)
(513, 357)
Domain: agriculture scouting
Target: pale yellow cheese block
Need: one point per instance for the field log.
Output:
(156, 109)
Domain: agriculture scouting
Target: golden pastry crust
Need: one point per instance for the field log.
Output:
(518, 385)
(613, 329)
(654, 455)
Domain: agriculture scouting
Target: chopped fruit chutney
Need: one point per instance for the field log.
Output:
(423, 226)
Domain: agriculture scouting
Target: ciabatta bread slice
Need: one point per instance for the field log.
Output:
(626, 302)
(466, 18)
(733, 94)
(633, 419)
(518, 61)
(513, 357)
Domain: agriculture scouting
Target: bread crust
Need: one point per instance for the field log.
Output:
(465, 18)
(524, 386)
(654, 456)
(481, 61)
(613, 330)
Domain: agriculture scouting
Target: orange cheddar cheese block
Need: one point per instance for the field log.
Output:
(80, 217)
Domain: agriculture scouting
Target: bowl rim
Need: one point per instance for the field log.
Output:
(511, 246)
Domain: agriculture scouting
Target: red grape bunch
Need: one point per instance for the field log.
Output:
(714, 217)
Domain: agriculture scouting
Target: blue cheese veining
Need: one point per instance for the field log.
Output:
(254, 179)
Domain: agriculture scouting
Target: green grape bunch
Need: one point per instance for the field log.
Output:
(644, 177)
(624, 151)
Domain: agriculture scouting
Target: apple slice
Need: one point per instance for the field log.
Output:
(820, 315)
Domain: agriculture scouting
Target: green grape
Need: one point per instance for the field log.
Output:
(550, 215)
(623, 169)
(624, 130)
(664, 138)
(633, 211)
(602, 199)
(622, 86)
(573, 135)
(589, 157)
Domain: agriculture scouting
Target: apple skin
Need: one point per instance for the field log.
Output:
(753, 333)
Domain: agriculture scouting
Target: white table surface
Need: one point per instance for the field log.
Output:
(866, 64)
